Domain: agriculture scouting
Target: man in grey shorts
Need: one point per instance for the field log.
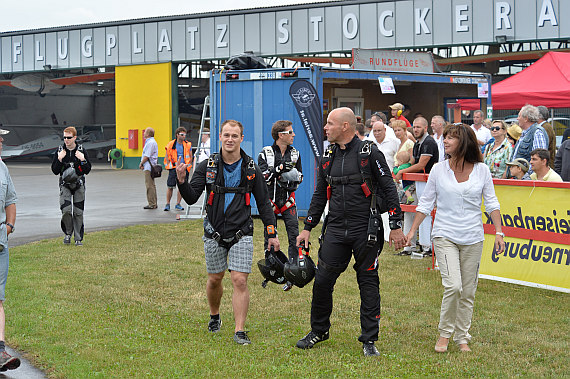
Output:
(230, 178)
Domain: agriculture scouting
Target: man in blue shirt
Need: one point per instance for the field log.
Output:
(533, 136)
(230, 177)
(149, 157)
(7, 221)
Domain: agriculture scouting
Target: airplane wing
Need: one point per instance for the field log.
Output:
(12, 153)
(46, 146)
(98, 144)
(83, 78)
(43, 146)
(42, 82)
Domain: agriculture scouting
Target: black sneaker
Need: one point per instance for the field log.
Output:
(404, 253)
(214, 325)
(311, 339)
(78, 243)
(67, 239)
(8, 362)
(369, 349)
(427, 253)
(241, 338)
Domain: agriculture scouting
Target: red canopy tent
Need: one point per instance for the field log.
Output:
(545, 82)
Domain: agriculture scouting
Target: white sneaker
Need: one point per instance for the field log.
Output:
(417, 255)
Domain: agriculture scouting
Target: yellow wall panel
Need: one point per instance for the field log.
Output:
(143, 98)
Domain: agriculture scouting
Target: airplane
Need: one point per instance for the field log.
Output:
(47, 145)
(43, 83)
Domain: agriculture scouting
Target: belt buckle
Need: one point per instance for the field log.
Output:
(239, 234)
(216, 236)
(372, 239)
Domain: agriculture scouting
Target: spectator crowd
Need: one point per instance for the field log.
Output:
(525, 150)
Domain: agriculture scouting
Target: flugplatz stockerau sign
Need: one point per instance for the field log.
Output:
(281, 31)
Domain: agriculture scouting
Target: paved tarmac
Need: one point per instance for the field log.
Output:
(113, 199)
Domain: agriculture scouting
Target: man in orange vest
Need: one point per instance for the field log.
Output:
(177, 149)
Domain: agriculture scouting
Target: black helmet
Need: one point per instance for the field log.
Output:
(300, 269)
(272, 267)
(69, 175)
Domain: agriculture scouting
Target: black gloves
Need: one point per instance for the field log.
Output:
(284, 167)
(288, 166)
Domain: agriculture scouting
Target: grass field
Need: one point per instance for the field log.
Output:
(131, 303)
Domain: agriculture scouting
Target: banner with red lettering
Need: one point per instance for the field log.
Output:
(392, 60)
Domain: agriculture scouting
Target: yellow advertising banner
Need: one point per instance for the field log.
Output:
(536, 222)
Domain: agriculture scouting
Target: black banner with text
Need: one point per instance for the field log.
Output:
(308, 106)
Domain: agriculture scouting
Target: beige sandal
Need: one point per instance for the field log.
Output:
(441, 348)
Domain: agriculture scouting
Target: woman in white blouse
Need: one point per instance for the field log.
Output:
(457, 188)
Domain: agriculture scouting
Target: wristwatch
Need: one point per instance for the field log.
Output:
(11, 226)
(395, 224)
(500, 234)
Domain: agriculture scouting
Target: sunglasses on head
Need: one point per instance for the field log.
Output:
(287, 132)
(68, 137)
(495, 128)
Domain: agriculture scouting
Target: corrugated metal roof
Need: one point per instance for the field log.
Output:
(190, 16)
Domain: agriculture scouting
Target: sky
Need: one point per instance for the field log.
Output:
(35, 14)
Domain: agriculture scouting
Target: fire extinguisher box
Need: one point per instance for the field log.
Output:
(133, 139)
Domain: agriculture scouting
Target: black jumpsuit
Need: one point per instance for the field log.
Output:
(71, 200)
(279, 194)
(346, 234)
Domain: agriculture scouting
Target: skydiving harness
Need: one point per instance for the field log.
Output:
(270, 159)
(226, 243)
(213, 189)
(74, 184)
(288, 204)
(364, 178)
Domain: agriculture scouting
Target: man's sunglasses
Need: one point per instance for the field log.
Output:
(67, 137)
(182, 134)
(287, 132)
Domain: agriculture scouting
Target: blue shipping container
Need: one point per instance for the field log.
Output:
(258, 98)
